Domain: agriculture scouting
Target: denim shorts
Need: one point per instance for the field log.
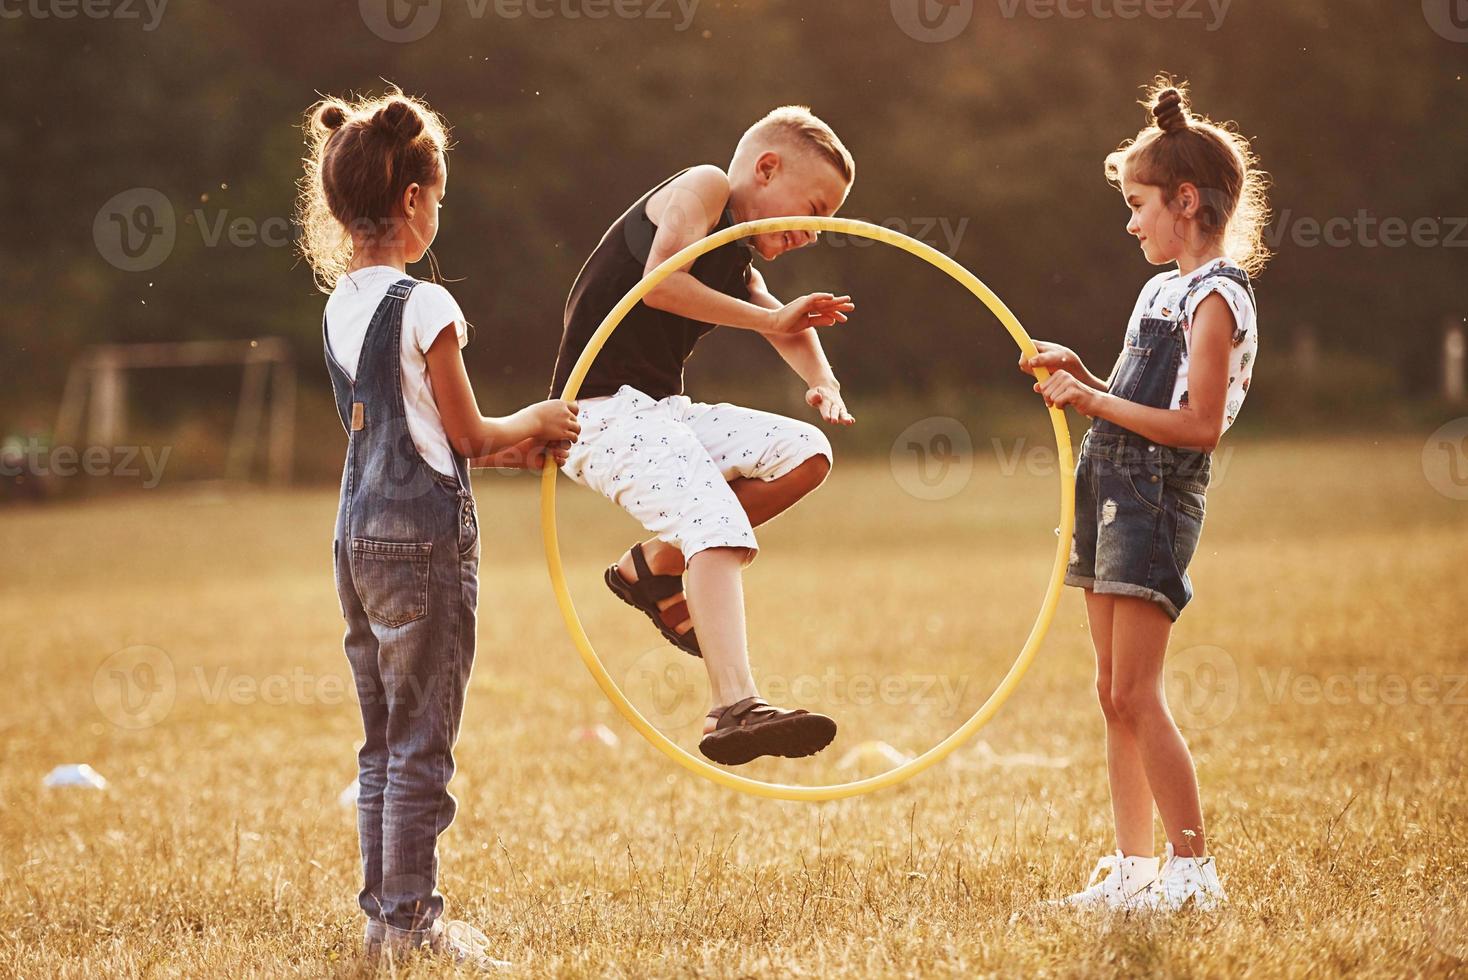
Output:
(1139, 514)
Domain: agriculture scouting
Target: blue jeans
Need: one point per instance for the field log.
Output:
(407, 573)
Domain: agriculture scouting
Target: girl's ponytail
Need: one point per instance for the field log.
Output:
(329, 115)
(1169, 111)
(399, 120)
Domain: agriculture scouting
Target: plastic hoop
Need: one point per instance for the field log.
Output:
(934, 755)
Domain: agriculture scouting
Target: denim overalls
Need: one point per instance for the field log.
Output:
(407, 564)
(1140, 505)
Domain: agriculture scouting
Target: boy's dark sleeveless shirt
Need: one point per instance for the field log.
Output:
(649, 347)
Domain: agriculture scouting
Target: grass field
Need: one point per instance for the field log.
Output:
(1321, 675)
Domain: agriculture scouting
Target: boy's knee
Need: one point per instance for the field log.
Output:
(821, 463)
(805, 440)
(814, 470)
(813, 439)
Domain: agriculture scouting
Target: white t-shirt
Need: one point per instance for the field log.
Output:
(427, 313)
(1160, 299)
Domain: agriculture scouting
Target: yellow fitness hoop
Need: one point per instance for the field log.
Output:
(783, 791)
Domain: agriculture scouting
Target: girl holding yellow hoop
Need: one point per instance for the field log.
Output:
(1196, 200)
(701, 477)
(406, 542)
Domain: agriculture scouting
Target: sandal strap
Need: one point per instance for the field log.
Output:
(655, 587)
(639, 562)
(754, 710)
(675, 615)
(730, 709)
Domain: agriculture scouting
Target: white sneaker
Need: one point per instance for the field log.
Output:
(457, 940)
(1184, 880)
(1117, 882)
(464, 944)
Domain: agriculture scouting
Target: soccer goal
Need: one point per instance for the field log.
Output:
(94, 402)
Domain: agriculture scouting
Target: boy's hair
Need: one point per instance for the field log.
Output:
(798, 125)
(361, 155)
(1179, 148)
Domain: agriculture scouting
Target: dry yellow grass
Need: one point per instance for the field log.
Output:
(220, 848)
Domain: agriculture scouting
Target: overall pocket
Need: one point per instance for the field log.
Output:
(392, 579)
(1187, 497)
(1188, 528)
(1129, 371)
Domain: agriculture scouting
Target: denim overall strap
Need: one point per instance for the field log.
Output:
(1233, 275)
(1146, 372)
(1236, 275)
(372, 410)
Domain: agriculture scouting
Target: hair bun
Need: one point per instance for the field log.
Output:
(1170, 112)
(400, 119)
(331, 116)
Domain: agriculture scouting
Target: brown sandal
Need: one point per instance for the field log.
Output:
(645, 594)
(751, 728)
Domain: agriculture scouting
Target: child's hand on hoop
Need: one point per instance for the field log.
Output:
(1051, 357)
(826, 399)
(538, 451)
(553, 420)
(1063, 390)
(814, 310)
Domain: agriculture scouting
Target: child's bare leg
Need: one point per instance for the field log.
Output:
(716, 590)
(1131, 797)
(1140, 631)
(762, 500)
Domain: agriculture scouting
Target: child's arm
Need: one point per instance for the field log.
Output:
(803, 352)
(687, 212)
(528, 454)
(470, 433)
(1053, 357)
(1197, 425)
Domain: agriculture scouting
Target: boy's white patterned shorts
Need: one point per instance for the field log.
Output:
(668, 462)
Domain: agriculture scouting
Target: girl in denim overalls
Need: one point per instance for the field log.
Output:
(1197, 200)
(407, 534)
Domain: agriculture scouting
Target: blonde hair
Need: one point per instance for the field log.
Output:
(798, 125)
(1179, 147)
(361, 155)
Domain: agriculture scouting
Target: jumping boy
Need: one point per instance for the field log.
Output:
(701, 477)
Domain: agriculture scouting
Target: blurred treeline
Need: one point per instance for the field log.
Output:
(991, 142)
